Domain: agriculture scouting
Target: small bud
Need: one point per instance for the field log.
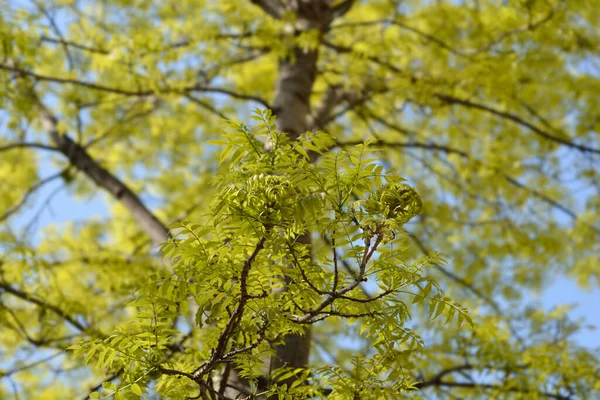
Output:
(396, 201)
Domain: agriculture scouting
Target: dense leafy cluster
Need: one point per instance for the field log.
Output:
(396, 201)
(232, 269)
(268, 199)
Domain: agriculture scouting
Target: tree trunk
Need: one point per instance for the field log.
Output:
(292, 94)
(292, 110)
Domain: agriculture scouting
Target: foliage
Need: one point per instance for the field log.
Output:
(488, 108)
(252, 281)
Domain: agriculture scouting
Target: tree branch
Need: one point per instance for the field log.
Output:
(344, 49)
(22, 145)
(89, 85)
(330, 100)
(34, 364)
(29, 192)
(438, 377)
(206, 106)
(308, 317)
(342, 8)
(518, 120)
(269, 6)
(56, 30)
(80, 159)
(230, 93)
(465, 155)
(440, 43)
(457, 278)
(31, 299)
(99, 385)
(74, 45)
(501, 388)
(437, 380)
(467, 103)
(418, 145)
(127, 92)
(219, 351)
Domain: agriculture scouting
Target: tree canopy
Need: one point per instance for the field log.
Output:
(305, 198)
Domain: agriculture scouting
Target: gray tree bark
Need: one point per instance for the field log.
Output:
(292, 108)
(80, 159)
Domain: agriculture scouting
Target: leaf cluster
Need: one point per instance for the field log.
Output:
(253, 278)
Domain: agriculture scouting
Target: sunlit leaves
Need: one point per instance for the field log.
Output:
(142, 85)
(228, 267)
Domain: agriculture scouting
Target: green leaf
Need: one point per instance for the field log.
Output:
(109, 386)
(135, 388)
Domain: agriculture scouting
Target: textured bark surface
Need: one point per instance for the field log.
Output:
(292, 94)
(292, 108)
(80, 159)
(293, 116)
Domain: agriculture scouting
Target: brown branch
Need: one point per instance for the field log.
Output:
(346, 265)
(31, 191)
(273, 8)
(80, 159)
(387, 124)
(126, 92)
(354, 100)
(41, 342)
(344, 50)
(326, 314)
(261, 337)
(441, 43)
(99, 385)
(230, 93)
(465, 155)
(26, 145)
(308, 318)
(336, 273)
(418, 145)
(402, 25)
(303, 273)
(34, 364)
(468, 103)
(437, 380)
(330, 100)
(44, 305)
(518, 120)
(369, 299)
(342, 8)
(438, 377)
(122, 122)
(548, 200)
(219, 351)
(168, 371)
(74, 45)
(206, 106)
(541, 196)
(89, 85)
(457, 278)
(470, 385)
(175, 45)
(56, 30)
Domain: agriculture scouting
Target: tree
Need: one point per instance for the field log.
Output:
(488, 109)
